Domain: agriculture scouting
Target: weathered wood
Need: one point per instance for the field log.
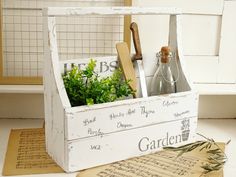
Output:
(175, 43)
(75, 11)
(55, 96)
(137, 119)
(79, 137)
(118, 142)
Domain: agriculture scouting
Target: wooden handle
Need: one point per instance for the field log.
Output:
(127, 65)
(136, 40)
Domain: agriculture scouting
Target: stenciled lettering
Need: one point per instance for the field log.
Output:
(95, 147)
(81, 66)
(143, 144)
(146, 143)
(113, 65)
(104, 67)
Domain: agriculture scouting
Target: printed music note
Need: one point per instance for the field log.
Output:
(27, 154)
(160, 164)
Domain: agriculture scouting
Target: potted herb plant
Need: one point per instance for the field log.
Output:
(86, 87)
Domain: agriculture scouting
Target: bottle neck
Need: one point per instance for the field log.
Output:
(165, 68)
(164, 64)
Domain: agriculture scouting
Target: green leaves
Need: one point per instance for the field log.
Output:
(84, 87)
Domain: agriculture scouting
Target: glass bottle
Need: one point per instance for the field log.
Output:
(163, 81)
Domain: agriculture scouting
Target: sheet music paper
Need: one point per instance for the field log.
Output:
(161, 164)
(26, 154)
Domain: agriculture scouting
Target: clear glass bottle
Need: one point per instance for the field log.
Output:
(163, 81)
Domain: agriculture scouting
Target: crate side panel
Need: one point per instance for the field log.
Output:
(130, 114)
(95, 151)
(175, 42)
(47, 80)
(54, 100)
(54, 121)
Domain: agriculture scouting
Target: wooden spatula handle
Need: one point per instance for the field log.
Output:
(136, 40)
(127, 65)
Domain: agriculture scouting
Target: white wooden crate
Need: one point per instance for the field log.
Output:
(86, 136)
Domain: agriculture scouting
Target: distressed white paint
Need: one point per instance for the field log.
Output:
(77, 122)
(54, 95)
(126, 147)
(75, 11)
(71, 131)
(213, 7)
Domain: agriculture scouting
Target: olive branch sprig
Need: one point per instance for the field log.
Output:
(216, 157)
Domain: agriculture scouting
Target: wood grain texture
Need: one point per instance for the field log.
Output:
(127, 65)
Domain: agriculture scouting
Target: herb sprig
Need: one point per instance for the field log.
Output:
(85, 87)
(216, 156)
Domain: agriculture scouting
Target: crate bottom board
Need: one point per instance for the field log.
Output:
(99, 150)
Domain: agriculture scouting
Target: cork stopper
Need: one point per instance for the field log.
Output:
(165, 54)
